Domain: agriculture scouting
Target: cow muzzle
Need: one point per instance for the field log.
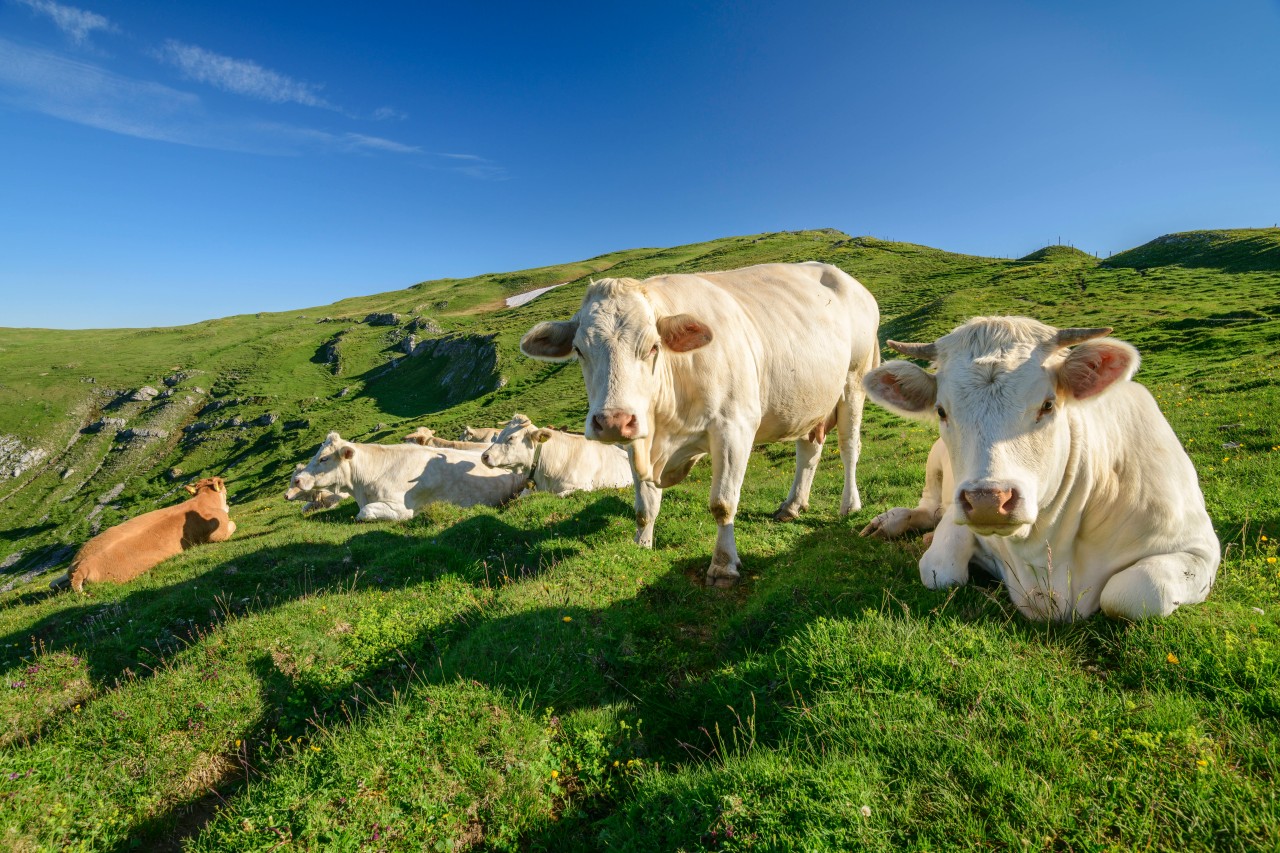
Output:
(484, 457)
(992, 508)
(613, 425)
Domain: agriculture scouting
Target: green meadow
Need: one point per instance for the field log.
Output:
(526, 678)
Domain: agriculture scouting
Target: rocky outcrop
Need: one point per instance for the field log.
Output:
(101, 424)
(388, 319)
(145, 394)
(469, 365)
(16, 458)
(265, 420)
(142, 433)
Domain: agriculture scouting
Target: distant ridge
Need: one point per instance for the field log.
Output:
(1235, 250)
(1058, 253)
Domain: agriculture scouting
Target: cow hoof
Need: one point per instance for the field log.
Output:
(723, 581)
(785, 513)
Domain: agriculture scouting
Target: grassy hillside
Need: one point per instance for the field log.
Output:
(526, 678)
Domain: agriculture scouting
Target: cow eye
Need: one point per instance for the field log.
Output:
(653, 350)
(577, 352)
(942, 414)
(1047, 407)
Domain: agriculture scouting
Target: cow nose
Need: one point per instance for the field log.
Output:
(989, 505)
(484, 457)
(614, 424)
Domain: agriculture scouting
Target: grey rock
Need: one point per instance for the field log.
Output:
(198, 426)
(301, 423)
(142, 432)
(144, 394)
(388, 319)
(174, 473)
(266, 419)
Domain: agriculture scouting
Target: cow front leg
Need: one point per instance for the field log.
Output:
(648, 504)
(807, 455)
(728, 467)
(1158, 585)
(946, 562)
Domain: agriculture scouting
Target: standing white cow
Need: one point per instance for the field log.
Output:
(390, 481)
(681, 366)
(1054, 471)
(558, 462)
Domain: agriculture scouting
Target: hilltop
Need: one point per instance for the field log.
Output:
(526, 678)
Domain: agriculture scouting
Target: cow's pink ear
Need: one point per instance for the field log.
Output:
(683, 332)
(902, 387)
(1094, 366)
(550, 341)
(543, 435)
(191, 490)
(347, 452)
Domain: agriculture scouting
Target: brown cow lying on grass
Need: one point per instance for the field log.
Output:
(125, 551)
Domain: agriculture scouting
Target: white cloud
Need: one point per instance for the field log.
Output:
(387, 113)
(87, 94)
(476, 167)
(76, 23)
(240, 76)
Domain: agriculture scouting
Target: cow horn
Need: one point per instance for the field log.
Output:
(929, 351)
(1071, 337)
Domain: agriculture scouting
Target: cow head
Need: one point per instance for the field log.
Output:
(422, 435)
(329, 468)
(1001, 394)
(216, 485)
(516, 446)
(295, 490)
(618, 339)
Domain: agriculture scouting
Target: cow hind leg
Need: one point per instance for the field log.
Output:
(1157, 585)
(728, 467)
(808, 452)
(383, 512)
(849, 426)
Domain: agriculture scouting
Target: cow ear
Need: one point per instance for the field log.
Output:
(542, 436)
(550, 341)
(683, 332)
(191, 490)
(902, 387)
(347, 451)
(1094, 366)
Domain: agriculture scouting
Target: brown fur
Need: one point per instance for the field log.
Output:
(125, 551)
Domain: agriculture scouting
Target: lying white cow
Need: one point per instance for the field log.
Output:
(470, 433)
(393, 480)
(426, 437)
(558, 462)
(685, 365)
(1054, 471)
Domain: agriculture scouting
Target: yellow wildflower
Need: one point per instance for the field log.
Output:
(1172, 658)
(555, 774)
(568, 619)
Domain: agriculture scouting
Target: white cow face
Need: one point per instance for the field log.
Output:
(619, 342)
(328, 469)
(1002, 394)
(515, 447)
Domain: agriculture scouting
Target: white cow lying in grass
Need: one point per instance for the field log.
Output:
(426, 437)
(558, 462)
(470, 433)
(1054, 471)
(391, 481)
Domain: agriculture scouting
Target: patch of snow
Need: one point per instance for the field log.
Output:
(529, 295)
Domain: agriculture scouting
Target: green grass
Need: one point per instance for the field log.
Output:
(526, 678)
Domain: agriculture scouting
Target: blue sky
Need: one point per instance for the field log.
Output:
(162, 163)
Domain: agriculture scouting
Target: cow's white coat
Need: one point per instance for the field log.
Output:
(560, 463)
(684, 366)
